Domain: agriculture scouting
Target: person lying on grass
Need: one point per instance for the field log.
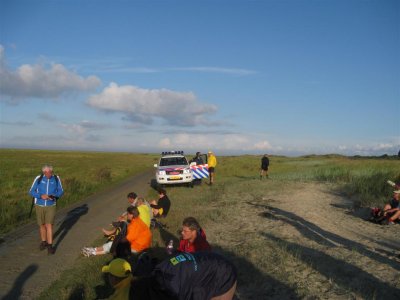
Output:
(193, 237)
(202, 275)
(138, 235)
(392, 209)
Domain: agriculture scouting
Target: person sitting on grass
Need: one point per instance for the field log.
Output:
(201, 275)
(392, 209)
(138, 235)
(144, 209)
(132, 200)
(161, 207)
(119, 273)
(193, 237)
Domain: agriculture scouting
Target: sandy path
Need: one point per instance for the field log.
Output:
(25, 271)
(348, 257)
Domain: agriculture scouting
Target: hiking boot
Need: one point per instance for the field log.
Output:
(43, 245)
(51, 249)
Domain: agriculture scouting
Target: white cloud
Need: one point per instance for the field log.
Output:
(40, 81)
(222, 143)
(145, 106)
(263, 145)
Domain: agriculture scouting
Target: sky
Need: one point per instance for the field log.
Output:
(289, 77)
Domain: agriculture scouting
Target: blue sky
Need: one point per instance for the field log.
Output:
(235, 77)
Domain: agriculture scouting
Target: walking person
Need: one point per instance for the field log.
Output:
(212, 163)
(264, 166)
(46, 190)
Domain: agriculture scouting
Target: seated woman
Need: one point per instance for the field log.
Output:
(392, 209)
(161, 207)
(193, 237)
(144, 210)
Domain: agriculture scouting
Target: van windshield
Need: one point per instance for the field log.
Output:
(172, 161)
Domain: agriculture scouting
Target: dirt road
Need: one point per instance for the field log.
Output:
(326, 248)
(25, 271)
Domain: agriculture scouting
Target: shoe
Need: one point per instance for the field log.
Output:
(87, 251)
(43, 245)
(51, 249)
(388, 222)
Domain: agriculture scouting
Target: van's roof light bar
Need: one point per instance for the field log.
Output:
(171, 152)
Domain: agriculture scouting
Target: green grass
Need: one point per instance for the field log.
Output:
(81, 173)
(265, 266)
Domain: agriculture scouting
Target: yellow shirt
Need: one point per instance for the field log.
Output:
(212, 161)
(144, 214)
(122, 289)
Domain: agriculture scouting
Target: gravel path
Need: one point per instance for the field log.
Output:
(25, 271)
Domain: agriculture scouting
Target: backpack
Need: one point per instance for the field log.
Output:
(119, 248)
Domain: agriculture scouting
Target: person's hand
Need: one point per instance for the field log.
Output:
(45, 197)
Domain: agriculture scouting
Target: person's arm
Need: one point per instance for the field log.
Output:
(33, 191)
(109, 232)
(59, 190)
(158, 205)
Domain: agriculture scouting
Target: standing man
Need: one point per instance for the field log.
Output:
(46, 190)
(212, 163)
(264, 166)
(197, 159)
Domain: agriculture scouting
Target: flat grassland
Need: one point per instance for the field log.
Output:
(298, 234)
(81, 173)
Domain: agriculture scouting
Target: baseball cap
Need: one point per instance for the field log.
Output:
(118, 267)
(396, 192)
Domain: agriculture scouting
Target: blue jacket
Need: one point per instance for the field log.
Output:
(48, 186)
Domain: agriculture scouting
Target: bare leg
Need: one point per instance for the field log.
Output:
(100, 250)
(228, 295)
(42, 230)
(154, 210)
(396, 216)
(49, 233)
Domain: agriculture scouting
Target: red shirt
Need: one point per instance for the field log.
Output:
(199, 244)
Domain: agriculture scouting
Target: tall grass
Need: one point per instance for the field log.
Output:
(266, 266)
(81, 173)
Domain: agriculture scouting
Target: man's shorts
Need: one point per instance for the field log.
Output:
(211, 170)
(45, 214)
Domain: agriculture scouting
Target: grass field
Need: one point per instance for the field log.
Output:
(81, 173)
(264, 264)
(259, 261)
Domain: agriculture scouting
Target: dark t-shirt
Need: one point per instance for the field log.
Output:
(197, 276)
(163, 203)
(264, 163)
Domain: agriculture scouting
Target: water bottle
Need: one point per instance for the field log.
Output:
(170, 247)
